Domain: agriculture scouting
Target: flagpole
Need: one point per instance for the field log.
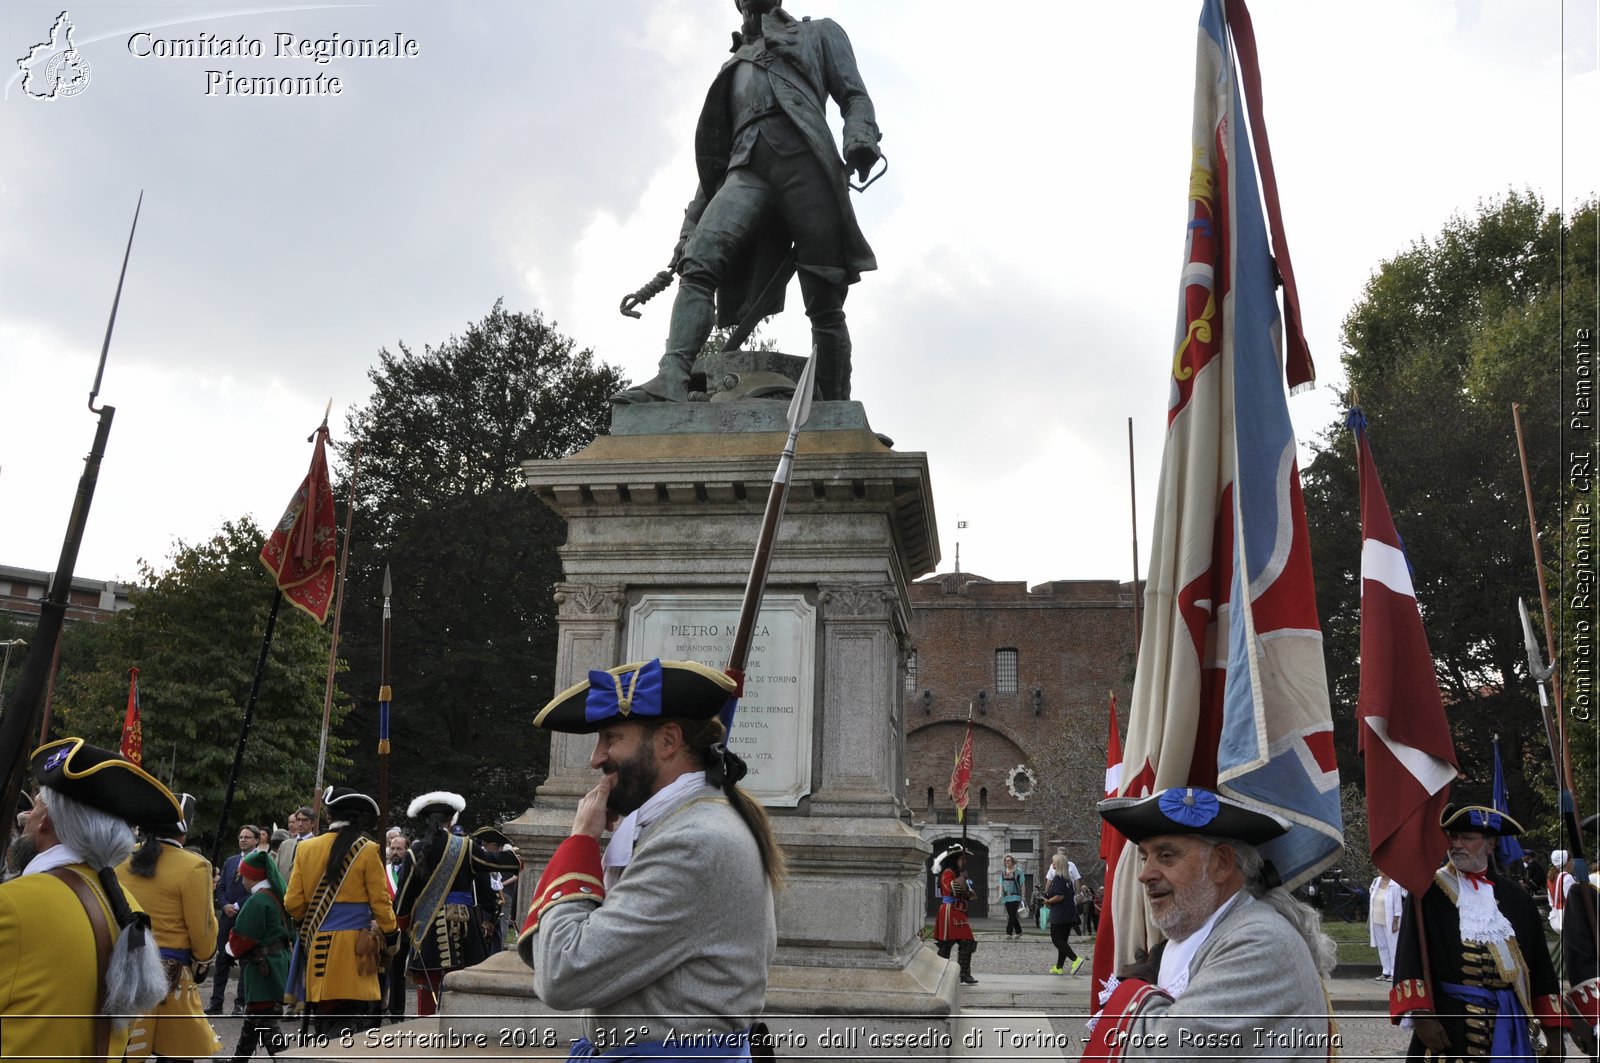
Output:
(338, 612)
(1560, 735)
(244, 728)
(1133, 505)
(385, 698)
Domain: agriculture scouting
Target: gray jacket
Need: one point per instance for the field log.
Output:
(683, 942)
(1254, 993)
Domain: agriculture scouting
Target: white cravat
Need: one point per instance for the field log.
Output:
(1177, 956)
(59, 855)
(619, 851)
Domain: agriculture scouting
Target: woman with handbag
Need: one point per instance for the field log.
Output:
(1011, 896)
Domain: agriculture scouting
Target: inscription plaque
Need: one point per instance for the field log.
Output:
(772, 730)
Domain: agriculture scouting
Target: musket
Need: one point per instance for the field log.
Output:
(20, 718)
(777, 498)
(1569, 809)
(385, 696)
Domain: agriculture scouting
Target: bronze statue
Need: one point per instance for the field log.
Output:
(773, 196)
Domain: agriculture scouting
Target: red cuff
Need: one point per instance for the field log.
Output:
(1548, 1010)
(1409, 994)
(1586, 999)
(238, 944)
(1111, 1026)
(573, 874)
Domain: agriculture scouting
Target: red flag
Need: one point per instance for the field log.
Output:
(1111, 839)
(1111, 843)
(961, 776)
(132, 730)
(300, 551)
(1402, 732)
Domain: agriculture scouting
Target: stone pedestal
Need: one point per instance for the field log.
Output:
(668, 507)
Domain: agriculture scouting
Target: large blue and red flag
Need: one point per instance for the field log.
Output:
(1231, 690)
(1402, 732)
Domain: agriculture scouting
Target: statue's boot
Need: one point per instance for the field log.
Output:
(832, 348)
(692, 313)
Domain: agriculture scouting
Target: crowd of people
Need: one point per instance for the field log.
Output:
(320, 928)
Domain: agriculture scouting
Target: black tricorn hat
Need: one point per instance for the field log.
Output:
(183, 824)
(490, 835)
(1480, 818)
(1191, 810)
(643, 690)
(102, 779)
(343, 801)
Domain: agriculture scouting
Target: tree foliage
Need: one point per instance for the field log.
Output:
(440, 501)
(1446, 335)
(194, 633)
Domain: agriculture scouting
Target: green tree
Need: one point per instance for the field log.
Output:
(194, 633)
(1445, 337)
(440, 500)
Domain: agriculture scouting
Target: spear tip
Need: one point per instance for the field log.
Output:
(388, 585)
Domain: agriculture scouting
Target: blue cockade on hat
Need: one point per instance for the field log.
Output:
(1483, 817)
(636, 693)
(1190, 807)
(57, 757)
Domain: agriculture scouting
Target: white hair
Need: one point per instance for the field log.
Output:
(1306, 920)
(135, 980)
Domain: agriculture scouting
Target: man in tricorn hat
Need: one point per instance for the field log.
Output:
(1486, 988)
(1239, 972)
(173, 886)
(439, 905)
(684, 938)
(80, 961)
(339, 894)
(771, 179)
(950, 927)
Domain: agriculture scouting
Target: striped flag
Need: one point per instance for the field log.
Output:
(1230, 690)
(300, 551)
(961, 776)
(1401, 728)
(132, 723)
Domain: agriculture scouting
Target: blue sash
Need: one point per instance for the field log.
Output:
(459, 897)
(710, 1047)
(1511, 1040)
(183, 956)
(342, 915)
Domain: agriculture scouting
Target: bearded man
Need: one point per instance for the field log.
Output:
(1240, 972)
(771, 179)
(1488, 989)
(683, 939)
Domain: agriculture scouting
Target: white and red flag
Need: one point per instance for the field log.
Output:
(1230, 689)
(1402, 733)
(1111, 843)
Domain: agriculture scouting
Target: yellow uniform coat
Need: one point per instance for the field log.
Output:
(179, 902)
(49, 974)
(331, 966)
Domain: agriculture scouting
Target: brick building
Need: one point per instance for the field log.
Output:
(22, 589)
(1035, 666)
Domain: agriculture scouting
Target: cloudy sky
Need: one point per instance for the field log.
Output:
(1029, 231)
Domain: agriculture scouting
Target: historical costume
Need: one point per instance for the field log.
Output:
(771, 178)
(950, 927)
(1580, 954)
(1247, 982)
(77, 961)
(683, 940)
(339, 896)
(444, 897)
(261, 938)
(1492, 984)
(1559, 885)
(173, 886)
